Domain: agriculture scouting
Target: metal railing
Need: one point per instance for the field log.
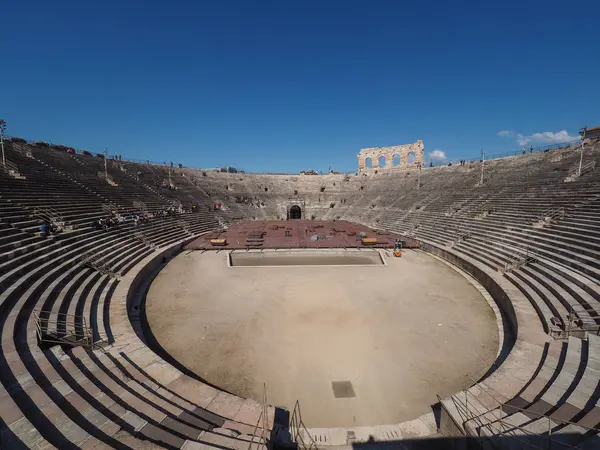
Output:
(575, 325)
(109, 207)
(494, 420)
(106, 178)
(140, 206)
(549, 215)
(574, 172)
(22, 149)
(141, 237)
(9, 167)
(95, 262)
(298, 431)
(184, 225)
(483, 211)
(51, 215)
(528, 258)
(165, 164)
(262, 423)
(64, 329)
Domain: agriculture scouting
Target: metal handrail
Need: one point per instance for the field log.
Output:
(50, 214)
(61, 322)
(500, 429)
(9, 166)
(137, 204)
(107, 178)
(265, 421)
(296, 428)
(575, 312)
(94, 261)
(574, 171)
(109, 207)
(565, 422)
(550, 214)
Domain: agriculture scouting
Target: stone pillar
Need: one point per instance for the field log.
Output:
(404, 159)
(361, 163)
(420, 153)
(389, 161)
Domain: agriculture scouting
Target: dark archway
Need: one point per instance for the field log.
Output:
(295, 212)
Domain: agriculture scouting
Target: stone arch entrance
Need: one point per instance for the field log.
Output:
(295, 212)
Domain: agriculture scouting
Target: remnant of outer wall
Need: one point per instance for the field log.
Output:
(386, 155)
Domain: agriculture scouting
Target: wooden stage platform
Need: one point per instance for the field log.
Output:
(296, 234)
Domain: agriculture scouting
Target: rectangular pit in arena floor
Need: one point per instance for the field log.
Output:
(297, 234)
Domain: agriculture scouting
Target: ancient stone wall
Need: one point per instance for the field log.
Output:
(375, 153)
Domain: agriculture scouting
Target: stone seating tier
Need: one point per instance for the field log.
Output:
(126, 396)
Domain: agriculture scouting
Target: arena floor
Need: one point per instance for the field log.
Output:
(356, 345)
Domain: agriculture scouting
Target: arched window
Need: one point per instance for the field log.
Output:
(295, 212)
(368, 162)
(381, 161)
(412, 158)
(396, 160)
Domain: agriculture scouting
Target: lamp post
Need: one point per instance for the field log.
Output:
(582, 134)
(482, 160)
(106, 164)
(2, 131)
(170, 166)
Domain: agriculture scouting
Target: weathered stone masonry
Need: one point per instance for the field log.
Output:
(402, 151)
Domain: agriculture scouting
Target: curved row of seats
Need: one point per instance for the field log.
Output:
(555, 267)
(83, 398)
(126, 396)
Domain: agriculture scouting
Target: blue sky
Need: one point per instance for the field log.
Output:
(291, 85)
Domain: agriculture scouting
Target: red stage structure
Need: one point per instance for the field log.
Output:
(297, 234)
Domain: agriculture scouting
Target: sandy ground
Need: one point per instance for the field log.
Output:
(400, 333)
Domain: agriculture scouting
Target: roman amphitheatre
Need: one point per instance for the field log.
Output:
(147, 305)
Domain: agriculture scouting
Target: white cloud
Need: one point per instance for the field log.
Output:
(553, 138)
(506, 133)
(437, 155)
(546, 137)
(522, 140)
